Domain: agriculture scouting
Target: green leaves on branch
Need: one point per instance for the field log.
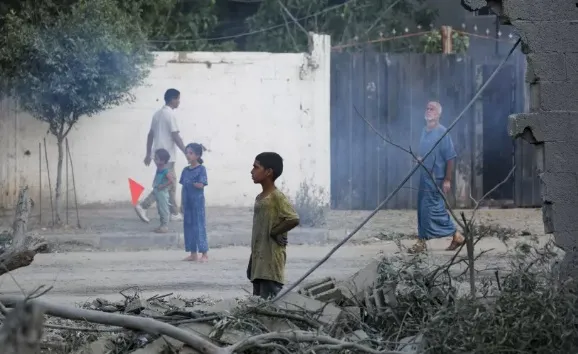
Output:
(64, 64)
(352, 23)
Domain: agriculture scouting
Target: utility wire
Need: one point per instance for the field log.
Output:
(400, 185)
(250, 33)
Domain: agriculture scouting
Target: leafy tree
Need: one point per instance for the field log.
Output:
(179, 25)
(432, 42)
(350, 22)
(66, 63)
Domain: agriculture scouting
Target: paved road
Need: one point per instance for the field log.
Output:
(80, 276)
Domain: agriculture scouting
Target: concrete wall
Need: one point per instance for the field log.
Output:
(548, 30)
(236, 104)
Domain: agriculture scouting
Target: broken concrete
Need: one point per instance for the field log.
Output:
(378, 300)
(548, 32)
(361, 282)
(325, 313)
(323, 290)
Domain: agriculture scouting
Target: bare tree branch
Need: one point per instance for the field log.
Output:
(147, 325)
(304, 337)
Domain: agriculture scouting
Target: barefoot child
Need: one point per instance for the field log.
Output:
(273, 217)
(194, 181)
(163, 180)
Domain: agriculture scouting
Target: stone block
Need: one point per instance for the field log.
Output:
(561, 156)
(355, 287)
(567, 240)
(548, 36)
(561, 216)
(327, 313)
(378, 300)
(323, 290)
(559, 96)
(224, 306)
(136, 306)
(316, 285)
(556, 10)
(333, 295)
(545, 126)
(572, 66)
(546, 67)
(555, 187)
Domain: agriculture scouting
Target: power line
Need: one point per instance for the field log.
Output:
(250, 33)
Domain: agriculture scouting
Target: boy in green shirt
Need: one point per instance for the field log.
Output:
(273, 217)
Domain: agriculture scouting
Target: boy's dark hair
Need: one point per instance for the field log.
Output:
(163, 155)
(271, 160)
(171, 94)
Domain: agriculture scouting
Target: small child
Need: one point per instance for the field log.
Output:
(194, 181)
(163, 180)
(273, 217)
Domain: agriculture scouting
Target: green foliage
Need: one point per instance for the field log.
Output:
(355, 22)
(309, 202)
(176, 25)
(432, 42)
(77, 63)
(310, 205)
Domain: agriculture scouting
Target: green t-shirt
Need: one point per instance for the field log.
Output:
(267, 257)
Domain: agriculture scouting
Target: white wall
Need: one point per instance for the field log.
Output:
(236, 104)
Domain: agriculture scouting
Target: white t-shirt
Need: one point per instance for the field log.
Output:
(163, 124)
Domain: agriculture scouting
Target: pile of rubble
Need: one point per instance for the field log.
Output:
(327, 307)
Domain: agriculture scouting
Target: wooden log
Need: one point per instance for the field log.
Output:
(23, 248)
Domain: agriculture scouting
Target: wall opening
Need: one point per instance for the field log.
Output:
(499, 101)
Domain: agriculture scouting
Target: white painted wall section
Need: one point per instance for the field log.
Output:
(236, 104)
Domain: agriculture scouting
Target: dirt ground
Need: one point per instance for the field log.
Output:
(85, 272)
(232, 227)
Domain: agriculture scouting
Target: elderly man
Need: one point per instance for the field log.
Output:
(433, 220)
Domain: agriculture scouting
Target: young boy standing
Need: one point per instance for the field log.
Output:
(273, 217)
(164, 180)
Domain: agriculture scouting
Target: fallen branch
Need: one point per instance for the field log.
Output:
(147, 325)
(303, 337)
(23, 248)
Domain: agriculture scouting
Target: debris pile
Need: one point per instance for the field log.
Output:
(322, 314)
(392, 305)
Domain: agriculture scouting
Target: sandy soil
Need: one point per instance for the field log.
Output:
(80, 276)
(232, 226)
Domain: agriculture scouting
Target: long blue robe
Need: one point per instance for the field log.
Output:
(433, 218)
(193, 202)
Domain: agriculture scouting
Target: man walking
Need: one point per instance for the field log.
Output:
(164, 134)
(433, 219)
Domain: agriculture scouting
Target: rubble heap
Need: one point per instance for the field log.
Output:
(336, 309)
(392, 305)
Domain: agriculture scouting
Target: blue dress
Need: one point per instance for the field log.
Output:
(433, 219)
(193, 202)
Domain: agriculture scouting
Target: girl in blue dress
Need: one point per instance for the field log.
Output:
(194, 180)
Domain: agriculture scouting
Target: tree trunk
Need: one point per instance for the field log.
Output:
(23, 249)
(58, 188)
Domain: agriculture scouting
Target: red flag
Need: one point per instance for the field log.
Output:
(136, 190)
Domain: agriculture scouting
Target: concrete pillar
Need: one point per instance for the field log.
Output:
(549, 38)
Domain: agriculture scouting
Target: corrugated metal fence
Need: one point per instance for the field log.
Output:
(391, 91)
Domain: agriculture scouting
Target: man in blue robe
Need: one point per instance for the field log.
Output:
(433, 219)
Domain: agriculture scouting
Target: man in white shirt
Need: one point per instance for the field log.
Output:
(164, 134)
